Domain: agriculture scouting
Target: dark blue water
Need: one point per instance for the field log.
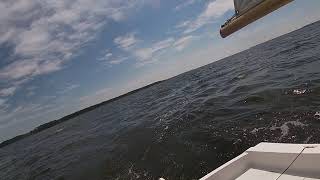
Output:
(186, 126)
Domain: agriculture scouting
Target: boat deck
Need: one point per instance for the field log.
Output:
(270, 161)
(267, 175)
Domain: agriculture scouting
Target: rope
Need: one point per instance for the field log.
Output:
(291, 163)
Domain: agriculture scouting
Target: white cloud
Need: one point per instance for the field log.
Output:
(69, 88)
(154, 3)
(217, 8)
(106, 56)
(183, 24)
(132, 45)
(144, 63)
(30, 91)
(162, 44)
(185, 4)
(2, 102)
(30, 67)
(127, 41)
(45, 34)
(144, 54)
(150, 55)
(19, 69)
(7, 91)
(96, 97)
(109, 59)
(213, 11)
(183, 42)
(118, 61)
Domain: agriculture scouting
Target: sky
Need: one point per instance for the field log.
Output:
(60, 56)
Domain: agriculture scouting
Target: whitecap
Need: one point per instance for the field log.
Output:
(317, 115)
(242, 76)
(255, 130)
(307, 140)
(285, 128)
(59, 130)
(299, 91)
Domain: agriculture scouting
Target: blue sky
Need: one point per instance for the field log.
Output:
(59, 56)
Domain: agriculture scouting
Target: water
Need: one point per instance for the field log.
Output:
(186, 126)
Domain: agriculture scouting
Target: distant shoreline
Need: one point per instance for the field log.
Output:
(70, 116)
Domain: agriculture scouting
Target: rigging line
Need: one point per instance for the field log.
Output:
(291, 163)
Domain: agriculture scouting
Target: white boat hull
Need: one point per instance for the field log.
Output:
(271, 161)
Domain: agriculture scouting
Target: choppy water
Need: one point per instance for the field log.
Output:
(189, 125)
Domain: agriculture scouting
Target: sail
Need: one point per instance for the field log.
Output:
(241, 6)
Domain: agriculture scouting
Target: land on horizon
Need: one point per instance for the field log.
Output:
(70, 116)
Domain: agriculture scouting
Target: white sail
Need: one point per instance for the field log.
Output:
(241, 6)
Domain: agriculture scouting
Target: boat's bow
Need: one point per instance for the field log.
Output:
(271, 161)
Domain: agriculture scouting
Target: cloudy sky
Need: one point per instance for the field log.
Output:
(59, 56)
